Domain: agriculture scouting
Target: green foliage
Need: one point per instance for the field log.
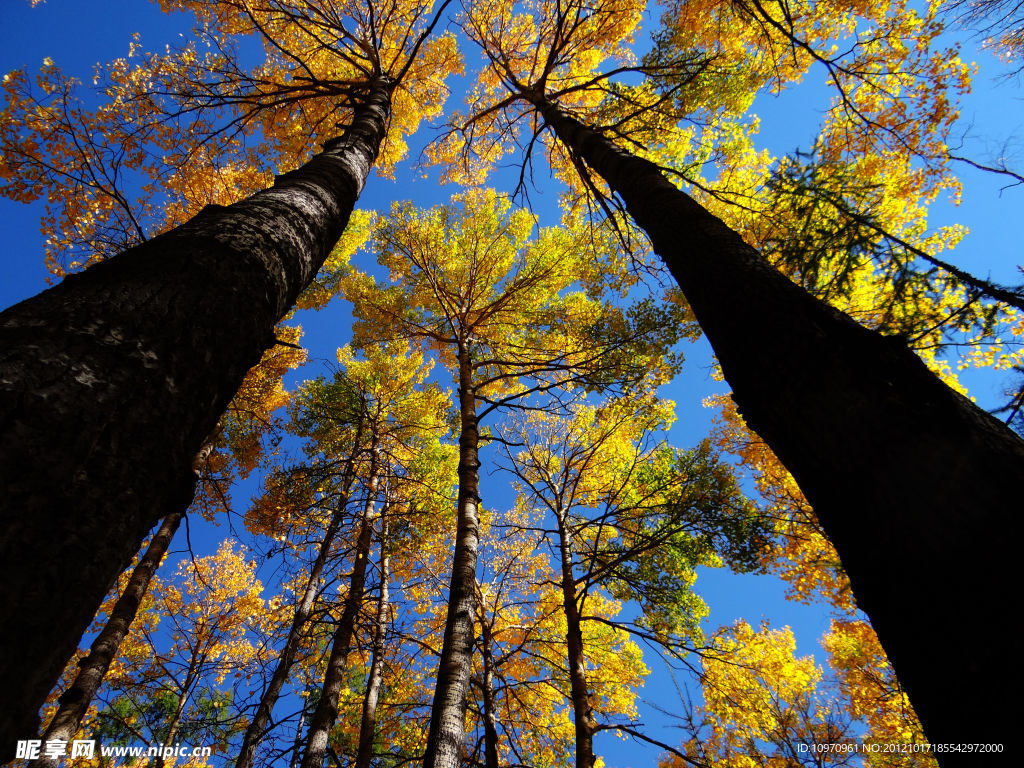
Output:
(212, 720)
(683, 510)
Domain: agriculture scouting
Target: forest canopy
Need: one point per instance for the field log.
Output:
(363, 422)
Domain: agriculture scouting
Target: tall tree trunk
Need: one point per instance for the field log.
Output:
(368, 720)
(293, 762)
(914, 484)
(490, 715)
(261, 720)
(74, 702)
(326, 712)
(583, 714)
(447, 733)
(111, 380)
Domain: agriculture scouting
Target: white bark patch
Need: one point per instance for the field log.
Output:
(114, 336)
(85, 376)
(148, 357)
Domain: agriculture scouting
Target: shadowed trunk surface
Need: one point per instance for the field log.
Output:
(111, 381)
(914, 485)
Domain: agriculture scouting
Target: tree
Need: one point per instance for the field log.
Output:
(112, 364)
(471, 284)
(76, 700)
(213, 616)
(863, 687)
(631, 520)
(349, 413)
(998, 20)
(374, 418)
(764, 706)
(403, 416)
(526, 680)
(873, 424)
(240, 431)
(326, 711)
(869, 688)
(368, 716)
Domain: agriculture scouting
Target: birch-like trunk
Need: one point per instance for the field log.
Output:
(326, 712)
(74, 702)
(490, 714)
(293, 762)
(261, 719)
(111, 380)
(368, 720)
(446, 736)
(914, 484)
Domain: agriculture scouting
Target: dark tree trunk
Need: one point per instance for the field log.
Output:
(914, 485)
(93, 668)
(490, 714)
(326, 712)
(111, 380)
(261, 720)
(368, 719)
(583, 714)
(446, 736)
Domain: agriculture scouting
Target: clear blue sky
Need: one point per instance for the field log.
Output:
(77, 34)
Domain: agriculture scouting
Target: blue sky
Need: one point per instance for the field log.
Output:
(76, 34)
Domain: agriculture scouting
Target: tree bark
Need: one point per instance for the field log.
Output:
(914, 484)
(368, 719)
(326, 712)
(297, 745)
(446, 736)
(74, 702)
(583, 715)
(489, 713)
(261, 720)
(111, 380)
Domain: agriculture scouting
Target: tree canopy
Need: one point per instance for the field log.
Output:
(473, 538)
